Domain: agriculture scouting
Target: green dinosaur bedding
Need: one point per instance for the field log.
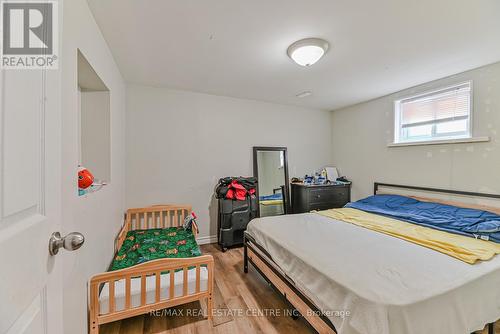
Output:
(145, 245)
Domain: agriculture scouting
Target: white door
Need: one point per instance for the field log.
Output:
(30, 159)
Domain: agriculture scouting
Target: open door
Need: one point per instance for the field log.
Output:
(30, 183)
(30, 150)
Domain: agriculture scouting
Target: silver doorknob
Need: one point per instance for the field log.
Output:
(70, 242)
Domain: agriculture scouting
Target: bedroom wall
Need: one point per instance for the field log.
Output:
(95, 133)
(180, 143)
(98, 215)
(360, 135)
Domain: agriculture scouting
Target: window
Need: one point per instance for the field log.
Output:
(440, 115)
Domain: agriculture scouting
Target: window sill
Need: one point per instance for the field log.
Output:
(442, 142)
(91, 189)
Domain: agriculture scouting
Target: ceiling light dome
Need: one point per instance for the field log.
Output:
(307, 51)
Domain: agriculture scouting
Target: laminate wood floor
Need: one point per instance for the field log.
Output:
(237, 292)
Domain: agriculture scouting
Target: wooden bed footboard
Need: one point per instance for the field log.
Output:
(156, 268)
(159, 216)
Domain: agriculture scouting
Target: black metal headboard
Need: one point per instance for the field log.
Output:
(376, 185)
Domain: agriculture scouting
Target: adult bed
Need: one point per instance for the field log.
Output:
(387, 285)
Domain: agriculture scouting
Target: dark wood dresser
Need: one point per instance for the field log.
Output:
(306, 198)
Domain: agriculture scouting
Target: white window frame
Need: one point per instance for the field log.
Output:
(435, 139)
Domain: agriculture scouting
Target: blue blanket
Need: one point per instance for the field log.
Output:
(271, 197)
(469, 222)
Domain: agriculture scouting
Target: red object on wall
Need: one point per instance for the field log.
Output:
(85, 178)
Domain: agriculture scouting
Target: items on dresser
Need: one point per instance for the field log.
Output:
(324, 176)
(317, 178)
(331, 173)
(306, 198)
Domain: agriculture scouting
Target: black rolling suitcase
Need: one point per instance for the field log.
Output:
(234, 217)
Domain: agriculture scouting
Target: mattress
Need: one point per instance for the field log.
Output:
(141, 246)
(135, 288)
(367, 282)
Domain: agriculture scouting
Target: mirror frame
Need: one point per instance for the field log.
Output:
(286, 195)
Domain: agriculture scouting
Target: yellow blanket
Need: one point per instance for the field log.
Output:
(271, 202)
(461, 247)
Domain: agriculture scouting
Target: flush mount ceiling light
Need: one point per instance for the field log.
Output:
(307, 51)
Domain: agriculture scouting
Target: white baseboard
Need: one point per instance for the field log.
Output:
(211, 239)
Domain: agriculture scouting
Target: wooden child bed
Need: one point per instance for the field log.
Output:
(152, 285)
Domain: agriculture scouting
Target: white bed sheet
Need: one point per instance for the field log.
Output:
(135, 288)
(388, 285)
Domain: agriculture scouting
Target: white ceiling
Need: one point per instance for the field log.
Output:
(238, 47)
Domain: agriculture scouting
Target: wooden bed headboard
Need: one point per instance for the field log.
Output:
(157, 216)
(455, 193)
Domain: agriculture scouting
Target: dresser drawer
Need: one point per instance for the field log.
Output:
(321, 206)
(328, 195)
(341, 196)
(321, 195)
(308, 198)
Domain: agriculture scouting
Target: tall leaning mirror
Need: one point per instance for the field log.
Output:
(270, 167)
